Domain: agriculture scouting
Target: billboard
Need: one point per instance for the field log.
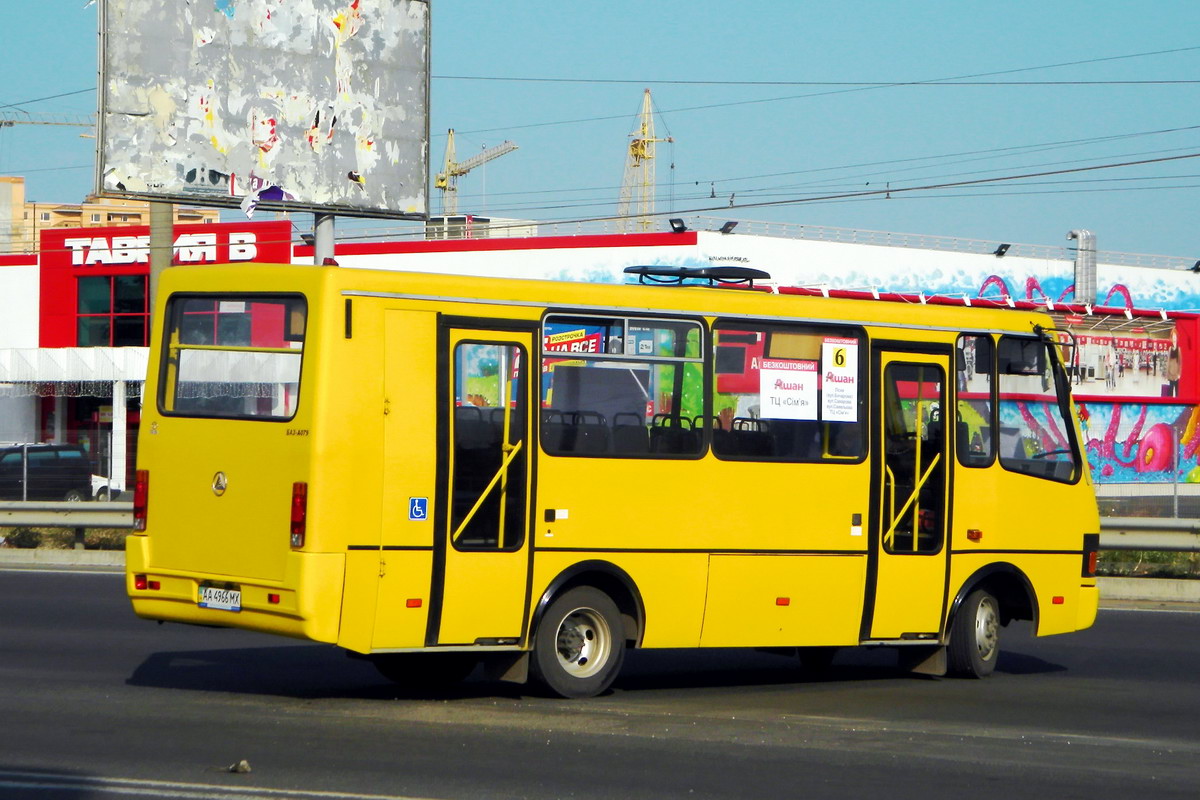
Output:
(304, 104)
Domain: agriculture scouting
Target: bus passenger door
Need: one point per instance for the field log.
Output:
(909, 558)
(482, 516)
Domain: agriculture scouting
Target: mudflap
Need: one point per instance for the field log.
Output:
(924, 660)
(507, 667)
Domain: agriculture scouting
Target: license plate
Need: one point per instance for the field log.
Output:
(221, 598)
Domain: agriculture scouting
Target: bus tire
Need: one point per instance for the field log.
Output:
(975, 636)
(579, 647)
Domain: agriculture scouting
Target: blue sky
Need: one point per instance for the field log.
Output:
(1050, 89)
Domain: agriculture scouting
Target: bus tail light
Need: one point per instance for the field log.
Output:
(299, 513)
(1091, 553)
(141, 496)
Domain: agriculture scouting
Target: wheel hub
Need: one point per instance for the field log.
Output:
(583, 642)
(987, 629)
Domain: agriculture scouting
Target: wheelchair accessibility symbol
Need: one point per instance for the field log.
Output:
(418, 509)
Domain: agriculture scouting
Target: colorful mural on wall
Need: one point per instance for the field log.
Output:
(1130, 442)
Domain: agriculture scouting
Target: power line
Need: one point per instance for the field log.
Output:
(933, 83)
(48, 97)
(979, 172)
(858, 196)
(853, 88)
(959, 81)
(955, 184)
(998, 152)
(44, 169)
(899, 191)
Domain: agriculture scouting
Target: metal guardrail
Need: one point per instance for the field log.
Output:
(1150, 533)
(84, 514)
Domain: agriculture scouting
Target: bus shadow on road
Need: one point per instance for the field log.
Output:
(323, 671)
(729, 668)
(300, 671)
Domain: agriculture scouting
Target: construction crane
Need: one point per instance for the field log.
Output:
(10, 118)
(636, 207)
(447, 179)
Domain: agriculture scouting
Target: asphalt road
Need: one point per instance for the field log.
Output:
(95, 703)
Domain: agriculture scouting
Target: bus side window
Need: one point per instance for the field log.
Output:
(974, 434)
(621, 387)
(787, 392)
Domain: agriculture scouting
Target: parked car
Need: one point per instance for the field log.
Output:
(103, 490)
(44, 472)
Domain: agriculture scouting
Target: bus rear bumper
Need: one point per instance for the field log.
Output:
(288, 607)
(1089, 606)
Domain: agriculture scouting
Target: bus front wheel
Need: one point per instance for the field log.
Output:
(975, 636)
(578, 648)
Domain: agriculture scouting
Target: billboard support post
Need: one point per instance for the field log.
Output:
(162, 238)
(322, 238)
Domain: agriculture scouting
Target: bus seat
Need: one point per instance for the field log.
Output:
(472, 431)
(591, 432)
(671, 435)
(630, 438)
(553, 431)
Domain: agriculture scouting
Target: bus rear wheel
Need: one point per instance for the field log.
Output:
(578, 648)
(975, 636)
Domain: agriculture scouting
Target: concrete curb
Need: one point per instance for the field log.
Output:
(42, 557)
(1162, 590)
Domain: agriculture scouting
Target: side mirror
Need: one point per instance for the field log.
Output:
(1022, 356)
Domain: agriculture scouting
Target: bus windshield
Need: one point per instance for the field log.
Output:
(1036, 432)
(233, 356)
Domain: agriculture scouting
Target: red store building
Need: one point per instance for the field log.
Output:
(74, 330)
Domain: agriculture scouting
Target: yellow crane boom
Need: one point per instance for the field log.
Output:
(636, 206)
(10, 118)
(452, 170)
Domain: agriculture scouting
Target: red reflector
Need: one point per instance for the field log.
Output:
(413, 602)
(141, 497)
(273, 599)
(299, 520)
(783, 601)
(154, 586)
(1092, 558)
(140, 582)
(974, 534)
(1058, 600)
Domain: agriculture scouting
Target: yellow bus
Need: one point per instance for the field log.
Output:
(436, 472)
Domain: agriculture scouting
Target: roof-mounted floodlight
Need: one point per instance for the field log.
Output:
(677, 225)
(727, 276)
(728, 226)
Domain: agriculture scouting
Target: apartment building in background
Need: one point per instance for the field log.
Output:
(22, 221)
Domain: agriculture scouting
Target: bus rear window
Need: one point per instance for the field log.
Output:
(233, 356)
